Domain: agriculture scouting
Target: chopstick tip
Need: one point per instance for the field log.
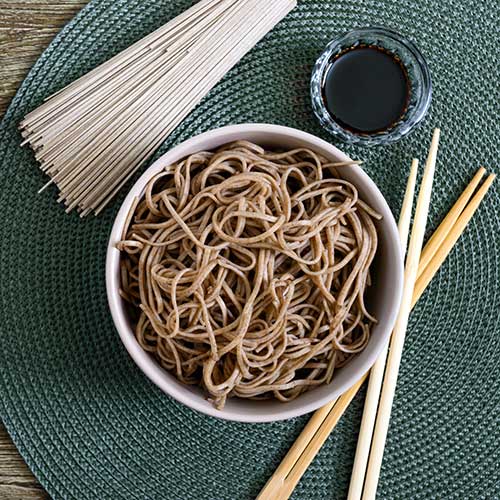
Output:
(435, 137)
(414, 170)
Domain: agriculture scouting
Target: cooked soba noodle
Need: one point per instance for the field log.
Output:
(246, 271)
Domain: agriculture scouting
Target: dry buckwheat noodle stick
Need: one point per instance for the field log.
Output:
(245, 271)
(92, 136)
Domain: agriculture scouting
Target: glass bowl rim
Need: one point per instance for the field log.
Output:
(408, 123)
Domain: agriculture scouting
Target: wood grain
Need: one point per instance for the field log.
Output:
(16, 480)
(26, 28)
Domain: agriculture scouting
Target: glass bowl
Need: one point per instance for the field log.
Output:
(417, 72)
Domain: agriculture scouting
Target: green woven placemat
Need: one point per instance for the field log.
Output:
(90, 425)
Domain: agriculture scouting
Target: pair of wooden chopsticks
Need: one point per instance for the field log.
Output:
(419, 271)
(281, 485)
(386, 389)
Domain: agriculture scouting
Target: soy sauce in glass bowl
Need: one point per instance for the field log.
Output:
(371, 86)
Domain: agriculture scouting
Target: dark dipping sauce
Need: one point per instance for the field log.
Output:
(366, 89)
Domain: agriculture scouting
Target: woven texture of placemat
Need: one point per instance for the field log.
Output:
(90, 425)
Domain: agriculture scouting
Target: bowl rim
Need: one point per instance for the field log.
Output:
(150, 367)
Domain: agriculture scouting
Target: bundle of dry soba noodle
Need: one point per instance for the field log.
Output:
(246, 271)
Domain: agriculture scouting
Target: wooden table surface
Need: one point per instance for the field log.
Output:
(26, 28)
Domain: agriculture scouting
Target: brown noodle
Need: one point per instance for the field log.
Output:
(247, 269)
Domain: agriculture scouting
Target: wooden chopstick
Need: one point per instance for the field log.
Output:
(315, 425)
(280, 486)
(377, 371)
(406, 208)
(444, 228)
(399, 332)
(274, 486)
(449, 241)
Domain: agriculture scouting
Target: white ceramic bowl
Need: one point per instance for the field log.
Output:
(385, 295)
